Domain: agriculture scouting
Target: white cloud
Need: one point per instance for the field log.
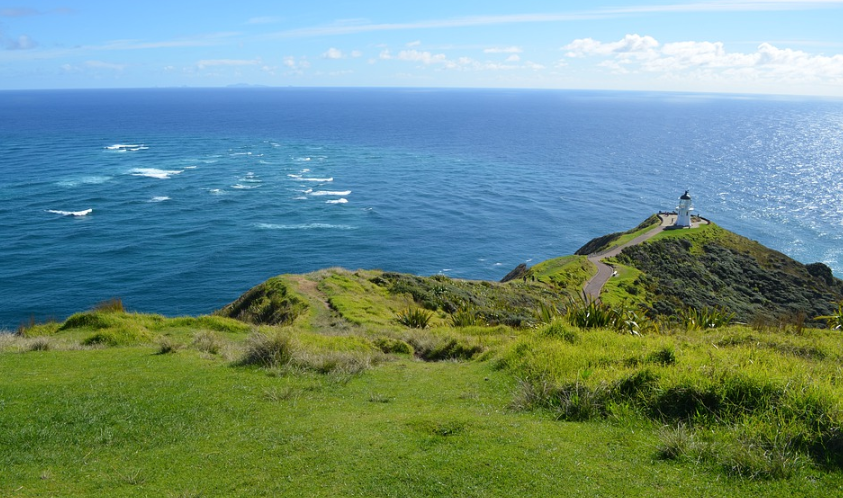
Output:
(503, 50)
(630, 44)
(333, 53)
(105, 65)
(227, 62)
(356, 53)
(460, 63)
(704, 60)
(294, 65)
(423, 57)
(414, 44)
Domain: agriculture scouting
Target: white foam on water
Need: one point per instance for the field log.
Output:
(338, 201)
(124, 147)
(304, 226)
(301, 178)
(331, 193)
(216, 191)
(302, 159)
(87, 180)
(240, 154)
(161, 198)
(71, 213)
(191, 167)
(160, 174)
(240, 186)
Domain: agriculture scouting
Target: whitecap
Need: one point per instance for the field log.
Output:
(333, 193)
(305, 226)
(161, 198)
(87, 180)
(161, 174)
(240, 186)
(304, 179)
(71, 213)
(124, 147)
(215, 191)
(302, 159)
(338, 201)
(190, 167)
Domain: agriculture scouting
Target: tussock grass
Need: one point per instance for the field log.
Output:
(435, 346)
(207, 342)
(415, 318)
(286, 350)
(768, 406)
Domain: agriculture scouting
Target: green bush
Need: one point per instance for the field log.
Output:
(271, 350)
(393, 346)
(415, 318)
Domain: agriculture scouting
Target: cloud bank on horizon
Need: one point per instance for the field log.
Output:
(735, 46)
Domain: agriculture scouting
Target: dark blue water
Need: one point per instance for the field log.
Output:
(214, 191)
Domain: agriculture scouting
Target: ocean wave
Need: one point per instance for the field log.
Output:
(240, 186)
(305, 226)
(125, 147)
(71, 213)
(161, 174)
(301, 178)
(329, 192)
(87, 180)
(161, 198)
(216, 191)
(338, 201)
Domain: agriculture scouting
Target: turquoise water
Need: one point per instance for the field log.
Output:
(213, 191)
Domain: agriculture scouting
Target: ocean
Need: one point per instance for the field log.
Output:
(179, 200)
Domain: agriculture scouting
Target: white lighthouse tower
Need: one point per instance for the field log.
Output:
(683, 210)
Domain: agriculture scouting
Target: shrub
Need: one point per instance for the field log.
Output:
(674, 442)
(113, 305)
(415, 318)
(268, 350)
(207, 342)
(393, 346)
(465, 318)
(558, 329)
(39, 344)
(835, 320)
(706, 318)
(167, 346)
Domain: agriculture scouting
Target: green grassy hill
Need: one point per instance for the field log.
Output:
(372, 383)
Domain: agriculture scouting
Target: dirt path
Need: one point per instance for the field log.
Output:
(604, 272)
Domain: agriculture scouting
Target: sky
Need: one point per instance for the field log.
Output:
(732, 46)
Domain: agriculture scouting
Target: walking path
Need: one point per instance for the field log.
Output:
(604, 272)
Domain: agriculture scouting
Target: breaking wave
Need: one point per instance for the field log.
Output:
(329, 192)
(161, 174)
(71, 213)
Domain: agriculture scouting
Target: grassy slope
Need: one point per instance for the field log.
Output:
(342, 418)
(128, 422)
(711, 266)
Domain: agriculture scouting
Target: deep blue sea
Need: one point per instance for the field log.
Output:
(179, 200)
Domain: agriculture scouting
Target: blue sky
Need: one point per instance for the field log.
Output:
(740, 46)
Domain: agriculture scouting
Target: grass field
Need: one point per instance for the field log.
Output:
(111, 403)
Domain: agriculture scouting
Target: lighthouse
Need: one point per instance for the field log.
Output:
(683, 210)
